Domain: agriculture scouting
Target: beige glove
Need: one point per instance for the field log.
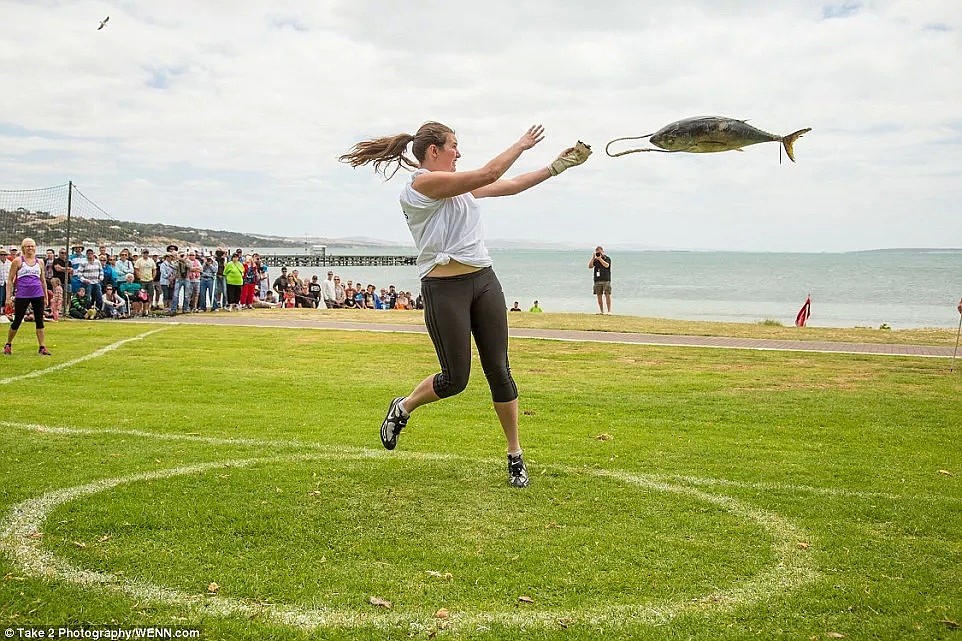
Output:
(569, 158)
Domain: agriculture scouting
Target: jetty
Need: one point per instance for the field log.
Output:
(336, 260)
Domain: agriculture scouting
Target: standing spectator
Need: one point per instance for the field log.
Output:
(144, 271)
(76, 262)
(516, 307)
(535, 309)
(181, 291)
(110, 274)
(26, 287)
(220, 285)
(55, 298)
(208, 274)
(290, 300)
(281, 283)
(402, 301)
(349, 294)
(250, 283)
(601, 264)
(339, 295)
(314, 291)
(91, 275)
(168, 276)
(263, 278)
(329, 291)
(4, 270)
(156, 289)
(193, 279)
(234, 278)
(61, 268)
(124, 266)
(48, 266)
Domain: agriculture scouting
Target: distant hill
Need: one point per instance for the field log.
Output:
(51, 230)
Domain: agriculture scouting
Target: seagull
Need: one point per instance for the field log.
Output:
(103, 23)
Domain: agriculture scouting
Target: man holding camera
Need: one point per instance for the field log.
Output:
(601, 264)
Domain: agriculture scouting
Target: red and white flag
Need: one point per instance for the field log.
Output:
(804, 313)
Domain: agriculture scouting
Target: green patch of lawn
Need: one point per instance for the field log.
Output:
(856, 453)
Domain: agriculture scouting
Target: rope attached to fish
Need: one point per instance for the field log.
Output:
(634, 151)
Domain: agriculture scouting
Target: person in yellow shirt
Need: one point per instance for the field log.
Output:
(535, 309)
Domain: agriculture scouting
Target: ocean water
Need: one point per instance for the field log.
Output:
(899, 288)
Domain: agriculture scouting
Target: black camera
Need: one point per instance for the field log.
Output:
(598, 254)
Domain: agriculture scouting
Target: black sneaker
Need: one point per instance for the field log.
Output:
(517, 472)
(393, 423)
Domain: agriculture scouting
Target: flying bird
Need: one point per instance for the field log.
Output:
(103, 23)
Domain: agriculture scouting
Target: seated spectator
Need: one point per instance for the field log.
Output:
(269, 301)
(402, 301)
(390, 299)
(114, 306)
(78, 304)
(131, 290)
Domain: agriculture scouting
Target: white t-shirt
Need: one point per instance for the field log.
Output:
(444, 229)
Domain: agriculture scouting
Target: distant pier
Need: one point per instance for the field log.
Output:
(336, 260)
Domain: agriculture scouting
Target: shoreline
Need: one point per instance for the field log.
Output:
(614, 328)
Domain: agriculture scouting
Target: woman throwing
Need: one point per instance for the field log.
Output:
(27, 286)
(462, 295)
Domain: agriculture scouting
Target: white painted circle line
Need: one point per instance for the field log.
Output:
(793, 567)
(357, 450)
(87, 357)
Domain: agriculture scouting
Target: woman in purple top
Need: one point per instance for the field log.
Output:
(26, 286)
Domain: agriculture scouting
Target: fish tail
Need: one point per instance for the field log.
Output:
(789, 140)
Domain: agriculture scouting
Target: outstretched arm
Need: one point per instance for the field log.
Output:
(570, 157)
(512, 186)
(445, 184)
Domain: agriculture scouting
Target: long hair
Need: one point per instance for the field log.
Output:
(388, 150)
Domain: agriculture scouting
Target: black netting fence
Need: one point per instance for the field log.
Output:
(55, 217)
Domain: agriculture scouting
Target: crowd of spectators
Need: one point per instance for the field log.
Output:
(99, 284)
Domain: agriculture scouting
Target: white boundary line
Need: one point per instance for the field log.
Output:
(96, 354)
(793, 568)
(420, 329)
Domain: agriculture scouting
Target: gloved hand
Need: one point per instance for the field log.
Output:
(569, 158)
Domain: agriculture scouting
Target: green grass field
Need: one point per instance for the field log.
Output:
(231, 479)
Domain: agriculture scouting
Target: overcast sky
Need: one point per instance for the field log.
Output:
(231, 114)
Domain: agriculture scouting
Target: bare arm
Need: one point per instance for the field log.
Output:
(12, 277)
(445, 184)
(512, 186)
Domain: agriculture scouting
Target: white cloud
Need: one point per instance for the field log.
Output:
(232, 114)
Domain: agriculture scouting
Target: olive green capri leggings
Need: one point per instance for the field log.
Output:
(457, 307)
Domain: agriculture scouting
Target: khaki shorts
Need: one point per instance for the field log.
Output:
(603, 287)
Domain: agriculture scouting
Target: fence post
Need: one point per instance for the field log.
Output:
(66, 286)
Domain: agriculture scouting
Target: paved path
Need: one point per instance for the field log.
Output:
(587, 336)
